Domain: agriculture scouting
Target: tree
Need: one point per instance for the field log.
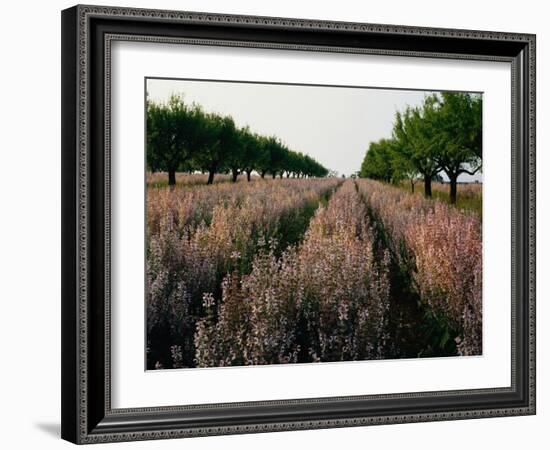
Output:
(403, 168)
(377, 163)
(218, 138)
(168, 127)
(457, 131)
(291, 163)
(443, 135)
(412, 133)
(299, 165)
(235, 160)
(274, 156)
(251, 151)
(263, 160)
(183, 137)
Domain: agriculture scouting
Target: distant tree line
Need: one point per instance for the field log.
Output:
(443, 135)
(183, 137)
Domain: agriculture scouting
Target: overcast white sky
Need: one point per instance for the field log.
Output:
(332, 124)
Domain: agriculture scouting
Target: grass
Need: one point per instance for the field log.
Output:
(160, 179)
(469, 197)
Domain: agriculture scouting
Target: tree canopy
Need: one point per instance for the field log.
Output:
(183, 136)
(444, 134)
(378, 161)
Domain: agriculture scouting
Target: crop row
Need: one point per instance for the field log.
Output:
(196, 235)
(440, 248)
(325, 299)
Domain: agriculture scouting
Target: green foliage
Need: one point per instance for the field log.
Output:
(442, 135)
(169, 132)
(220, 147)
(183, 137)
(378, 161)
(413, 136)
(458, 136)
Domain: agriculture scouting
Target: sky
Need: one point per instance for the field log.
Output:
(334, 125)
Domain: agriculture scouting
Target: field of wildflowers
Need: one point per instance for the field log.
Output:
(160, 179)
(324, 299)
(439, 247)
(304, 270)
(197, 235)
(469, 194)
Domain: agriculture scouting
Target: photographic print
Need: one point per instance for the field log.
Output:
(294, 223)
(277, 205)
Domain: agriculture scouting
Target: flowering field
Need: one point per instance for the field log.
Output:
(469, 197)
(307, 270)
(438, 248)
(198, 235)
(160, 179)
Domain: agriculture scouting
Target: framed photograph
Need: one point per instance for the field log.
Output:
(278, 224)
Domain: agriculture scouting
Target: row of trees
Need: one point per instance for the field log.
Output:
(443, 135)
(183, 137)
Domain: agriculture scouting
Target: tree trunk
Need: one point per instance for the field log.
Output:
(452, 193)
(172, 177)
(288, 174)
(234, 175)
(263, 174)
(248, 172)
(412, 186)
(274, 175)
(281, 174)
(428, 186)
(211, 174)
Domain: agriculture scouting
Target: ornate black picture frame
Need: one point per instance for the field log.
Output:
(87, 34)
